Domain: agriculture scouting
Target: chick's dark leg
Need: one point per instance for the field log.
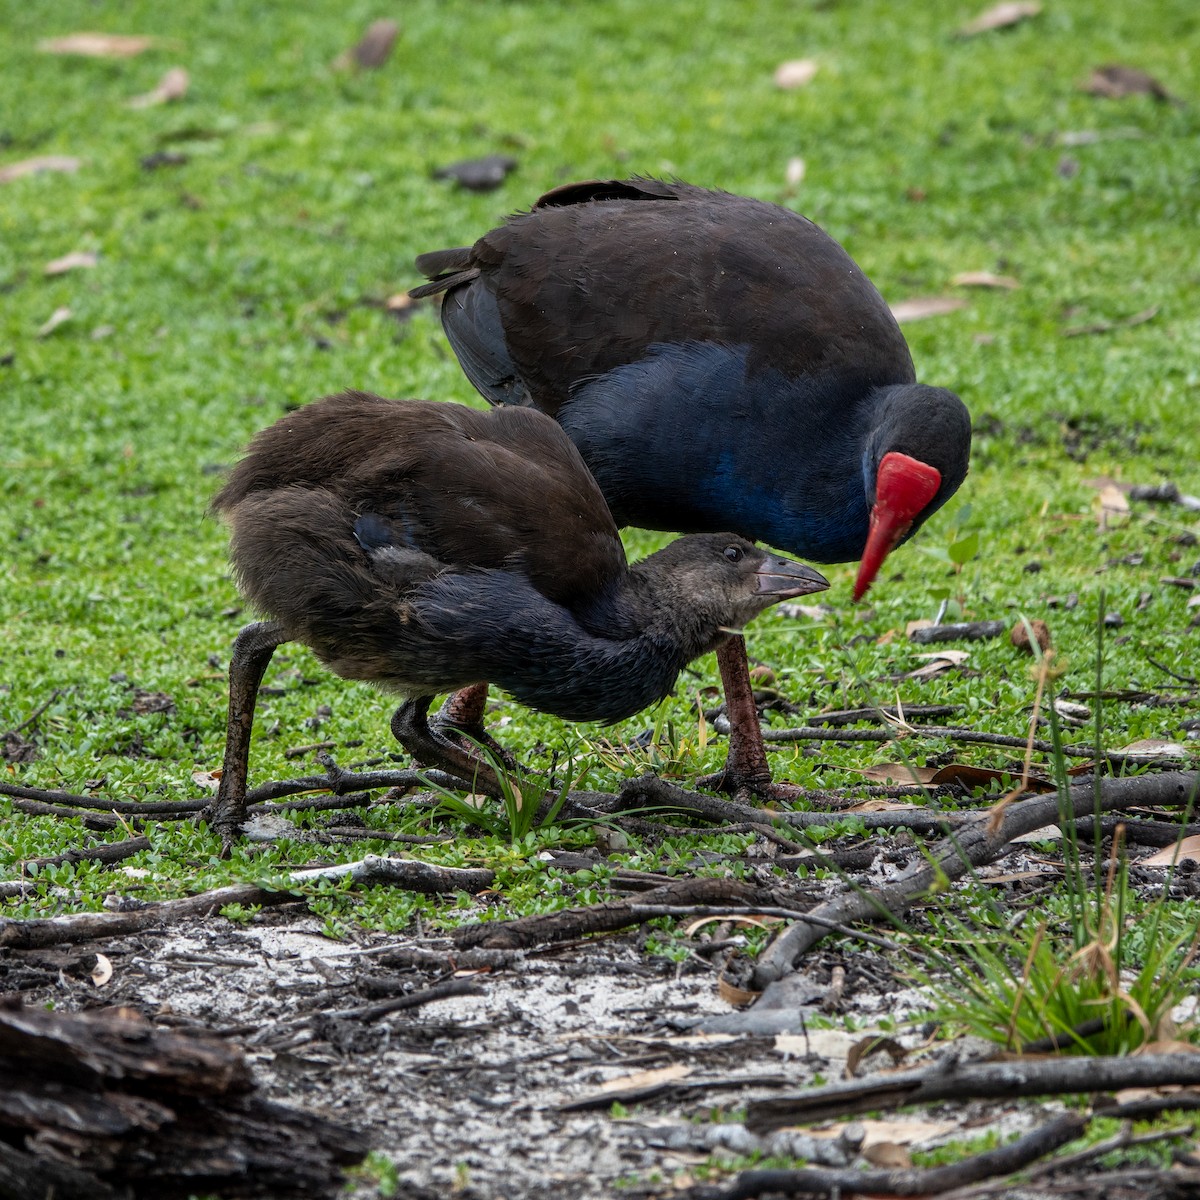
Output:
(460, 720)
(252, 650)
(746, 769)
(410, 727)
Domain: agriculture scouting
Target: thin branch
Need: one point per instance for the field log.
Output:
(41, 708)
(972, 846)
(950, 1080)
(407, 873)
(817, 1181)
(809, 733)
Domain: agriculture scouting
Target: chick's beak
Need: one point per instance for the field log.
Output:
(904, 486)
(781, 579)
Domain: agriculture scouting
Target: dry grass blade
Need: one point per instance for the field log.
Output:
(920, 307)
(75, 261)
(1114, 81)
(373, 49)
(35, 166)
(98, 45)
(796, 73)
(1138, 318)
(1000, 16)
(172, 86)
(984, 279)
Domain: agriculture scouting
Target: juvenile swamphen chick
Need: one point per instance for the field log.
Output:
(721, 363)
(426, 547)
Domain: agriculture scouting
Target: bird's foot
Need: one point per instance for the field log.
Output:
(410, 727)
(747, 786)
(460, 720)
(470, 738)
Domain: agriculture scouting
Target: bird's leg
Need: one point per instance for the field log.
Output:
(410, 727)
(460, 719)
(252, 650)
(746, 770)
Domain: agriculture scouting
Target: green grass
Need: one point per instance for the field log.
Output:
(252, 277)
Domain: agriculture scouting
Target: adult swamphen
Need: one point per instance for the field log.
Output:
(721, 363)
(426, 547)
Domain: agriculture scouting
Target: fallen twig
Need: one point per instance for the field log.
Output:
(971, 846)
(446, 990)
(650, 792)
(817, 1181)
(407, 873)
(571, 923)
(105, 852)
(991, 1080)
(809, 733)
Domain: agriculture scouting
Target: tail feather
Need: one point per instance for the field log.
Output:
(445, 269)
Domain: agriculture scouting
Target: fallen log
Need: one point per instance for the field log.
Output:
(104, 1106)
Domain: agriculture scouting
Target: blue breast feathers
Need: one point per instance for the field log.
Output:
(779, 461)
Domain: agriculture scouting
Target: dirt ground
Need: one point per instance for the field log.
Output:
(520, 1088)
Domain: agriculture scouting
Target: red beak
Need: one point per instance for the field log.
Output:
(903, 487)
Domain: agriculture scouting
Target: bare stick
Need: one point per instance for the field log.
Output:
(568, 924)
(817, 1181)
(808, 733)
(971, 847)
(408, 873)
(993, 1080)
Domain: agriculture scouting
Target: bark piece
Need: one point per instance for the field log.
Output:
(104, 1105)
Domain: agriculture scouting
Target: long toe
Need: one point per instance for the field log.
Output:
(410, 727)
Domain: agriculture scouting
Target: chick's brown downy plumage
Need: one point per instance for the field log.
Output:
(426, 547)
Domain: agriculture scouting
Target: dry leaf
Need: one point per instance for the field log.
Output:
(1047, 833)
(98, 45)
(903, 1131)
(642, 1079)
(373, 49)
(733, 995)
(794, 175)
(984, 279)
(35, 166)
(795, 73)
(1112, 507)
(172, 86)
(867, 1047)
(102, 972)
(920, 307)
(939, 661)
(1113, 81)
(1138, 318)
(898, 772)
(1187, 850)
(887, 1155)
(1154, 748)
(828, 1043)
(973, 777)
(57, 317)
(76, 260)
(1000, 16)
(699, 923)
(207, 779)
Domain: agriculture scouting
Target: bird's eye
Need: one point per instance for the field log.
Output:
(733, 553)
